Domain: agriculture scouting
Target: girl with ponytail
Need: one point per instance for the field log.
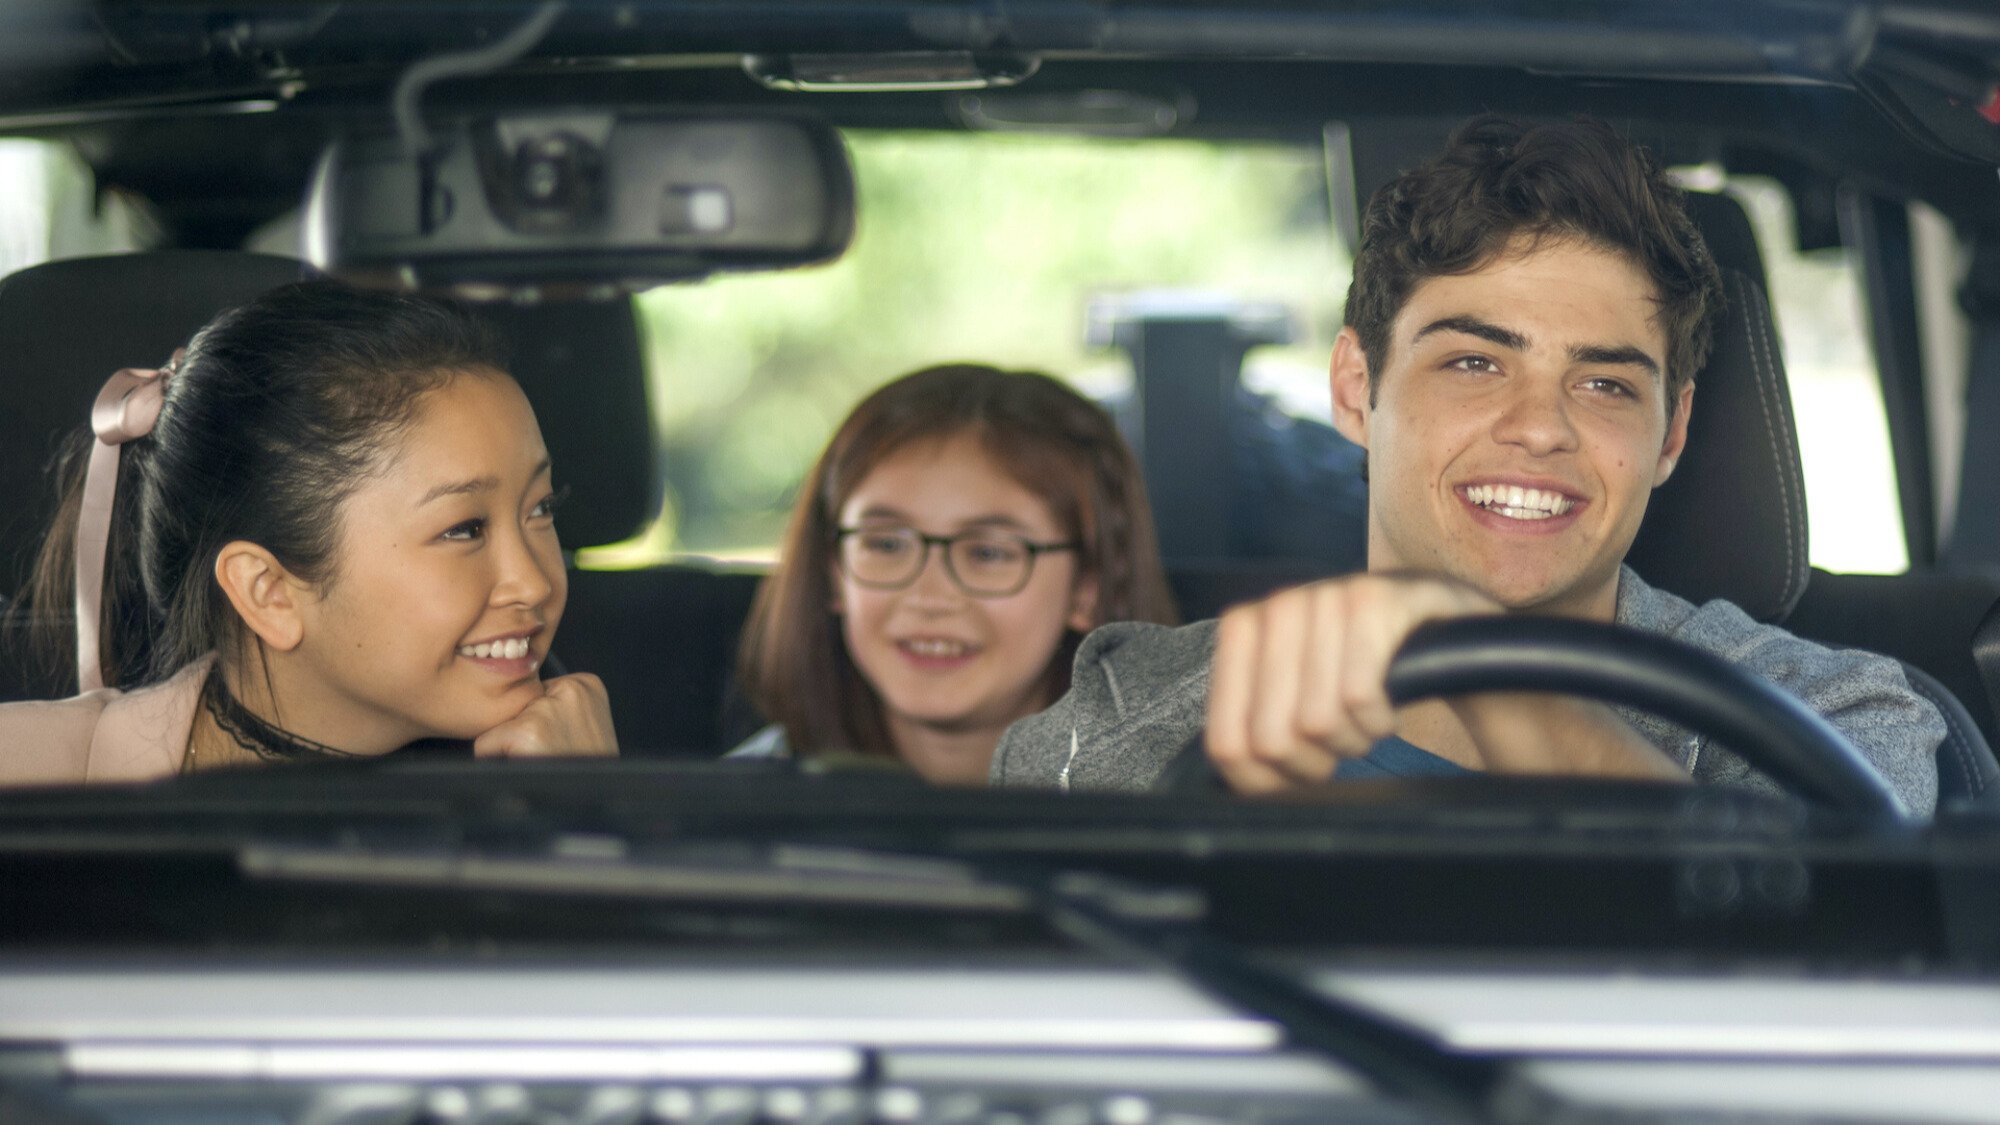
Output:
(963, 530)
(325, 530)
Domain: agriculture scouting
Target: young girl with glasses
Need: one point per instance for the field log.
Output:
(963, 530)
(325, 531)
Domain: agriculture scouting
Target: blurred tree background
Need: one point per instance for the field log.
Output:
(975, 247)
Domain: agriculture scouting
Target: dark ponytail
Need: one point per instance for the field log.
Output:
(279, 409)
(49, 597)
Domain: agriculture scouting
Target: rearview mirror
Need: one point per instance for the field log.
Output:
(597, 202)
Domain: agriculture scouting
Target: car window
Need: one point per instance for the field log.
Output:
(50, 208)
(1850, 474)
(994, 247)
(972, 246)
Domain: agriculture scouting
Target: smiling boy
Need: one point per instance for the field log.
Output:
(1525, 321)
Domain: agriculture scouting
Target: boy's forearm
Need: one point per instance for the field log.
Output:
(1553, 734)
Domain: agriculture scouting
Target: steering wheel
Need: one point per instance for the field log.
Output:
(1616, 664)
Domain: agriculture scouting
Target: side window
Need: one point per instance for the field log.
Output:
(1851, 501)
(979, 247)
(49, 208)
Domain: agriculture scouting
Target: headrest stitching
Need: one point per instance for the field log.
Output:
(1762, 359)
(1961, 747)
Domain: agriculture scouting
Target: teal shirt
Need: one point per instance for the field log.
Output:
(1393, 757)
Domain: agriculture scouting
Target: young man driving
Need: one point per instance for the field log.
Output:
(1525, 321)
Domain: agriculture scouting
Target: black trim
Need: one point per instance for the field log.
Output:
(1878, 231)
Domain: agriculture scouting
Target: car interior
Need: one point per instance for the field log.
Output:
(581, 363)
(673, 697)
(667, 940)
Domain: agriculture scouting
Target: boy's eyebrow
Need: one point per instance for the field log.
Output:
(475, 484)
(1623, 354)
(1473, 326)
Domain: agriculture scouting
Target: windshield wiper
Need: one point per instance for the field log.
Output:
(1123, 920)
(1400, 1061)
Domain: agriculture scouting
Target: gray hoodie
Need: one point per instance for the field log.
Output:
(1139, 694)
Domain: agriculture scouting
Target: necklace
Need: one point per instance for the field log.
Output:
(267, 742)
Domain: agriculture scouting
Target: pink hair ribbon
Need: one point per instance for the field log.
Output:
(125, 411)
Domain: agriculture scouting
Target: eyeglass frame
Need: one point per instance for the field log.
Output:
(926, 542)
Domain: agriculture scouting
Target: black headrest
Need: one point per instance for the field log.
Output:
(69, 324)
(1731, 522)
(1725, 227)
(583, 367)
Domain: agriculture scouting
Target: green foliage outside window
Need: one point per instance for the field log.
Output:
(976, 247)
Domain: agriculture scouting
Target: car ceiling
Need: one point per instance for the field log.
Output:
(215, 112)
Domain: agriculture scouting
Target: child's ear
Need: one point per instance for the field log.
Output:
(1083, 604)
(265, 595)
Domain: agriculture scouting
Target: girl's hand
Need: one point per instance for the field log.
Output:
(572, 719)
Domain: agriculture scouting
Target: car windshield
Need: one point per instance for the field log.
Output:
(1386, 516)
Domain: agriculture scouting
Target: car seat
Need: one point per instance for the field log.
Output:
(70, 323)
(1731, 522)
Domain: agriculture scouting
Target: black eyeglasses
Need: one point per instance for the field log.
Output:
(984, 563)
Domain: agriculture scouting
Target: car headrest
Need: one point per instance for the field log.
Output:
(583, 367)
(1725, 228)
(1731, 522)
(69, 324)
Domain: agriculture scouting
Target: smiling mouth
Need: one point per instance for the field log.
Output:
(513, 648)
(935, 648)
(1517, 503)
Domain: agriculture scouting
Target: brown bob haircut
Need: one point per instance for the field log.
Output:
(1498, 180)
(1055, 443)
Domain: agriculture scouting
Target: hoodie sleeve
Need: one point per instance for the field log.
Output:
(1138, 694)
(1864, 696)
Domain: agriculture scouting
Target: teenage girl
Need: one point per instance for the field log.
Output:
(326, 530)
(962, 532)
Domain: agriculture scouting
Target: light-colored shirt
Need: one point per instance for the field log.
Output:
(768, 744)
(104, 735)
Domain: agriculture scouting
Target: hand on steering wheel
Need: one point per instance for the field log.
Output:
(1613, 664)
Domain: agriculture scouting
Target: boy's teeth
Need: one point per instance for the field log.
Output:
(1519, 503)
(935, 648)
